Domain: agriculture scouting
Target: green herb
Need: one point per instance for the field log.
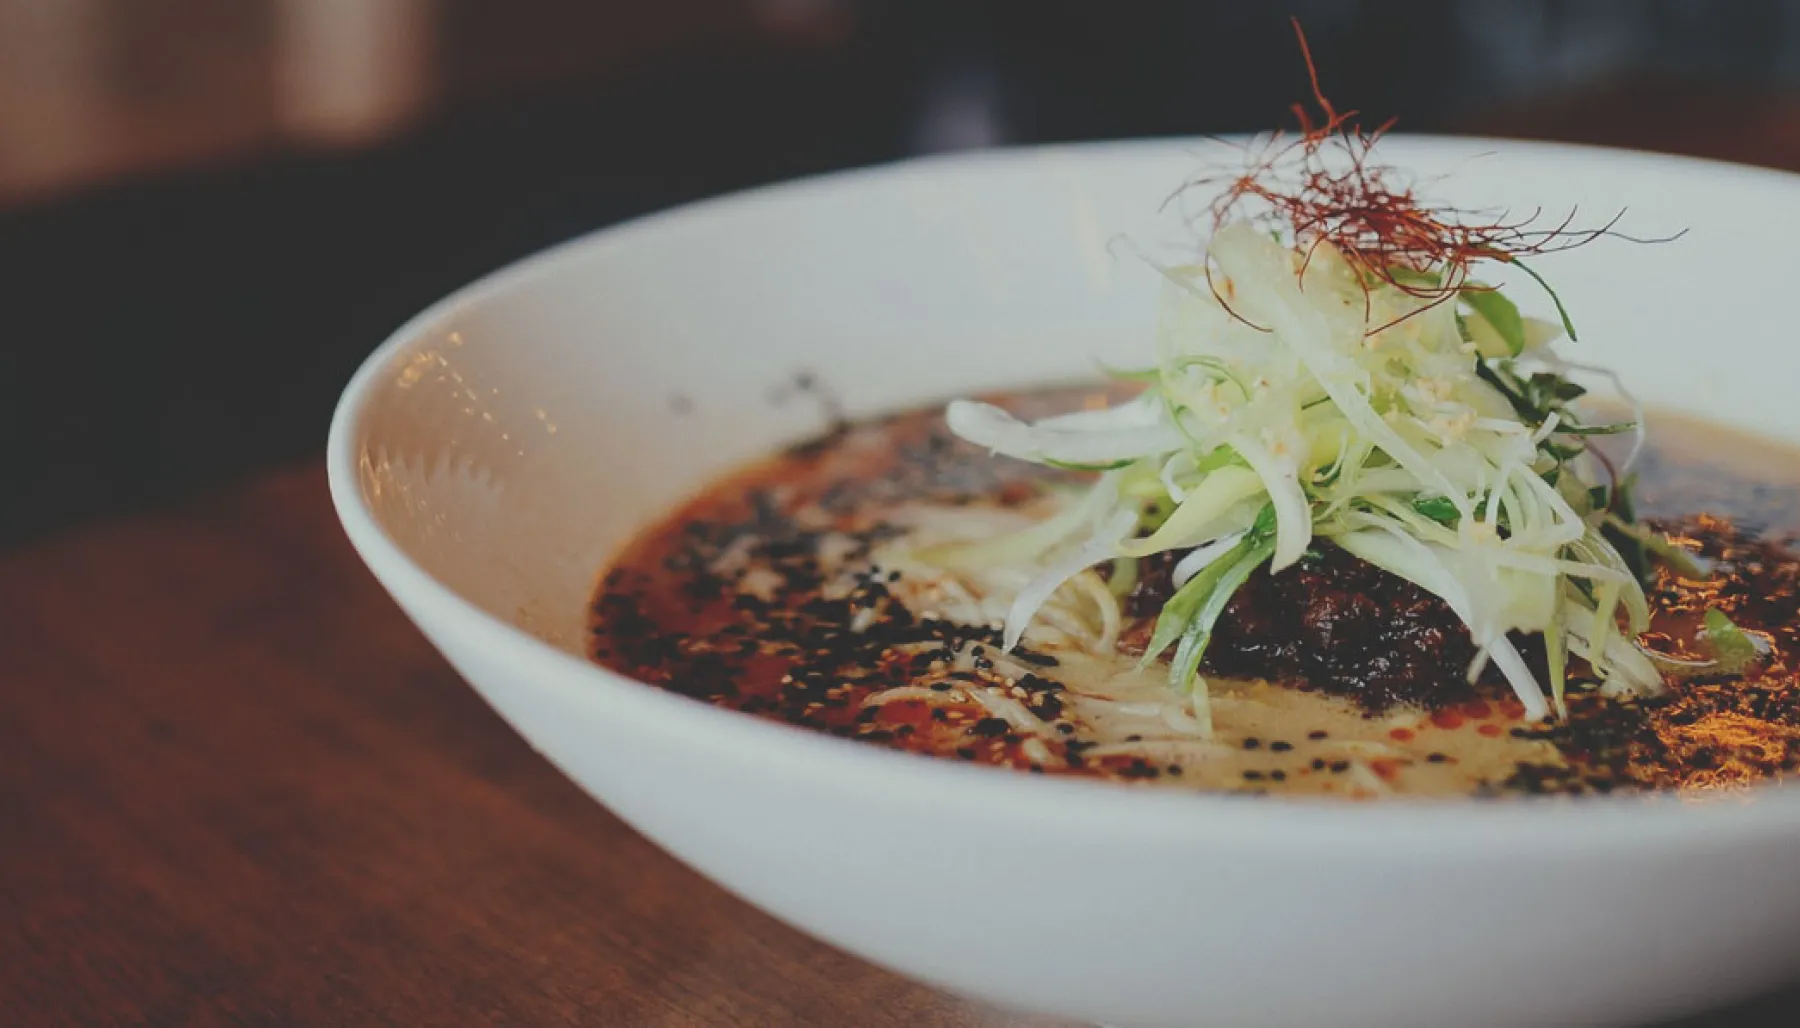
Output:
(1504, 383)
(1556, 656)
(1731, 646)
(1621, 530)
(1223, 456)
(1154, 513)
(1568, 326)
(1560, 452)
(1439, 509)
(1548, 392)
(1535, 397)
(1615, 428)
(1651, 547)
(1410, 278)
(1186, 606)
(1180, 609)
(1673, 557)
(1106, 466)
(1500, 313)
(1198, 634)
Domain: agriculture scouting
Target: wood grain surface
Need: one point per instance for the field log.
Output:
(237, 787)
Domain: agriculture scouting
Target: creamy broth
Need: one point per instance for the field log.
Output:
(791, 590)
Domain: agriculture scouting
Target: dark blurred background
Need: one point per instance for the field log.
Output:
(211, 210)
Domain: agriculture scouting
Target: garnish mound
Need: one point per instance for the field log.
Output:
(1332, 377)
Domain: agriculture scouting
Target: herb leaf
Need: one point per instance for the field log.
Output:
(1183, 609)
(1561, 312)
(1731, 646)
(1223, 456)
(1198, 634)
(1104, 466)
(1438, 509)
(1612, 429)
(1501, 314)
(1401, 275)
(1622, 530)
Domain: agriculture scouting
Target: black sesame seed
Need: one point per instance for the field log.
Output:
(1338, 767)
(1437, 758)
(1253, 776)
(1252, 743)
(1281, 747)
(1278, 775)
(990, 727)
(1140, 768)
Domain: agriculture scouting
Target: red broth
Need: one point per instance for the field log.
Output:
(776, 592)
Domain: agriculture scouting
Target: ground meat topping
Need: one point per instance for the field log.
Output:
(1334, 623)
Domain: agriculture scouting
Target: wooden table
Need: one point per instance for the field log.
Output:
(237, 787)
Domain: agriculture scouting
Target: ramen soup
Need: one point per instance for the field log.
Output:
(802, 590)
(1354, 526)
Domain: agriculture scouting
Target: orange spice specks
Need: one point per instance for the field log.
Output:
(1513, 709)
(1478, 709)
(1401, 735)
(1384, 769)
(1447, 719)
(1490, 730)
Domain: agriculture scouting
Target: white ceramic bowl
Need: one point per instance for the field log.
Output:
(493, 453)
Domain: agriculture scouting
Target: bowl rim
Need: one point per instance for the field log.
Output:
(1452, 824)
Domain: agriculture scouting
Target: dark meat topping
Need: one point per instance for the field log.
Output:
(1334, 623)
